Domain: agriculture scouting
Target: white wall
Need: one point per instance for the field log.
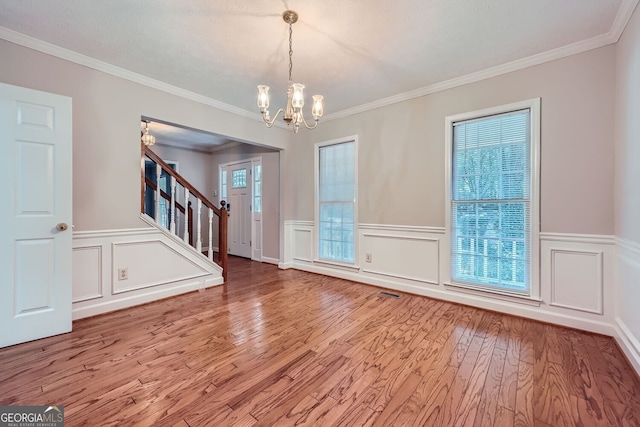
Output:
(627, 194)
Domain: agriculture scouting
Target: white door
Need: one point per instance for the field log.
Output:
(239, 194)
(35, 213)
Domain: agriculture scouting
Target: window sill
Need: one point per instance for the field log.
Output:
(334, 264)
(484, 292)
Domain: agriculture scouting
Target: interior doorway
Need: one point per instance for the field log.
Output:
(241, 188)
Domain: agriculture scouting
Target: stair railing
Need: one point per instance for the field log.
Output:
(177, 211)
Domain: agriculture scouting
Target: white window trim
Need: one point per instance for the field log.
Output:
(534, 275)
(316, 163)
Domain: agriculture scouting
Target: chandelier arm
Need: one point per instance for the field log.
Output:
(270, 123)
(306, 125)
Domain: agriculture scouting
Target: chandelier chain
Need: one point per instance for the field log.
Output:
(290, 52)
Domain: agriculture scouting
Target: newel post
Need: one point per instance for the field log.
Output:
(222, 238)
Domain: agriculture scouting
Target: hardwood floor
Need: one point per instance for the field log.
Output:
(281, 348)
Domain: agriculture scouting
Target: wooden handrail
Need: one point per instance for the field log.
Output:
(181, 180)
(220, 212)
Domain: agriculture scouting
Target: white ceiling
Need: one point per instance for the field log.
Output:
(354, 53)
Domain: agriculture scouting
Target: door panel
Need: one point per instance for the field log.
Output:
(35, 257)
(240, 213)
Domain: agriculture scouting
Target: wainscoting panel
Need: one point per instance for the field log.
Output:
(88, 274)
(303, 243)
(405, 257)
(627, 310)
(574, 272)
(158, 265)
(576, 280)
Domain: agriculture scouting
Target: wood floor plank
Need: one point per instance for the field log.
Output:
(486, 414)
(509, 384)
(455, 395)
(523, 413)
(504, 417)
(286, 347)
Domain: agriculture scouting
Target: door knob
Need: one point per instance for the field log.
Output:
(62, 226)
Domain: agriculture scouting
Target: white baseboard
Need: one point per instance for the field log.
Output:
(100, 307)
(628, 343)
(628, 295)
(269, 260)
(438, 292)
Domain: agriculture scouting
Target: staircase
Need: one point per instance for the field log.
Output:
(178, 207)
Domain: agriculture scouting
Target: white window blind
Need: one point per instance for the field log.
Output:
(491, 201)
(336, 202)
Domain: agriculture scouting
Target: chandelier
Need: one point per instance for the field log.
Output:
(147, 138)
(295, 96)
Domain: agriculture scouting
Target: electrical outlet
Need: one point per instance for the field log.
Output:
(367, 257)
(123, 273)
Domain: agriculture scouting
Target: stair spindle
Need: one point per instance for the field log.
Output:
(172, 224)
(199, 229)
(185, 237)
(210, 251)
(157, 194)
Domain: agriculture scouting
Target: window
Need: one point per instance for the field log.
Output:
(239, 178)
(336, 200)
(257, 188)
(223, 184)
(493, 198)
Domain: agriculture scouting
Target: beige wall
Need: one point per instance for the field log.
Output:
(401, 147)
(106, 130)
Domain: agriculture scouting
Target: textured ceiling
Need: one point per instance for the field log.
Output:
(353, 52)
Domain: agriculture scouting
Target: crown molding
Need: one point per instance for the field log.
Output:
(541, 58)
(620, 22)
(622, 18)
(87, 61)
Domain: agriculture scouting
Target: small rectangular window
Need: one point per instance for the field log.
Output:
(223, 185)
(239, 178)
(257, 188)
